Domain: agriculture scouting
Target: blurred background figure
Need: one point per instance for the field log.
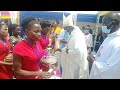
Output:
(83, 28)
(90, 30)
(14, 33)
(44, 38)
(89, 40)
(55, 31)
(63, 38)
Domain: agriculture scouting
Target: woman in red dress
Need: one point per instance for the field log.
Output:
(27, 54)
(44, 39)
(5, 68)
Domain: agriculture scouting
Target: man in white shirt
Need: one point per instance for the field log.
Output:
(107, 60)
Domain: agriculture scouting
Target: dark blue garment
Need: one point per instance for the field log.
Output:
(99, 41)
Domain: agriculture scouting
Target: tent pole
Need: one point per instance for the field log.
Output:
(97, 25)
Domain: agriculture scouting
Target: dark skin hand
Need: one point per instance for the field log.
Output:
(91, 57)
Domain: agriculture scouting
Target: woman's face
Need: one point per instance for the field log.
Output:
(17, 31)
(34, 32)
(45, 30)
(4, 31)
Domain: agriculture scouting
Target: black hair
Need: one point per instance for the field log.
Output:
(11, 28)
(112, 21)
(57, 21)
(45, 24)
(28, 22)
(112, 17)
(83, 27)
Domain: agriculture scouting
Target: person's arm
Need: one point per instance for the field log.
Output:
(61, 36)
(108, 67)
(5, 63)
(90, 57)
(80, 48)
(17, 65)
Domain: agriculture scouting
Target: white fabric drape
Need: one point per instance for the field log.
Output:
(13, 16)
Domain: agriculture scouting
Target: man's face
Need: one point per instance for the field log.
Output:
(88, 26)
(69, 29)
(107, 22)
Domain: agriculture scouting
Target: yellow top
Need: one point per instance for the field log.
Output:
(57, 31)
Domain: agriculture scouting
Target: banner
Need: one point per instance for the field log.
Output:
(5, 14)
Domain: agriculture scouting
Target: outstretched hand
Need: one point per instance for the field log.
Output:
(90, 57)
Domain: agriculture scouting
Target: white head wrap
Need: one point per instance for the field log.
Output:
(67, 21)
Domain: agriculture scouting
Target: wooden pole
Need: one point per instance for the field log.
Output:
(97, 25)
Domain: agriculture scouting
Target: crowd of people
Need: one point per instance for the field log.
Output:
(25, 58)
